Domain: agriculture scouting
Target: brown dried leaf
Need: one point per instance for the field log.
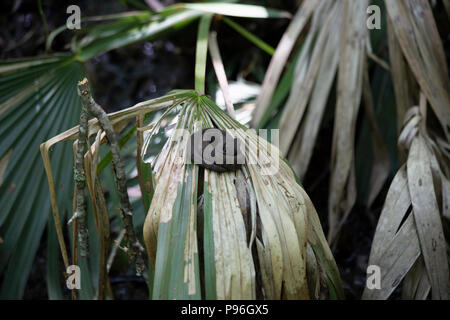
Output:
(427, 217)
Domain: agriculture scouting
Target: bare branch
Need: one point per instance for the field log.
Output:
(133, 245)
(80, 177)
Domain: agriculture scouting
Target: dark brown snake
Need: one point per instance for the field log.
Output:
(205, 153)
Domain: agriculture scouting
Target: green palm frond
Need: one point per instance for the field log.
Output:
(37, 100)
(138, 26)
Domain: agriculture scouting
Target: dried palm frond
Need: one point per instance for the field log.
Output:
(336, 40)
(336, 47)
(410, 242)
(248, 234)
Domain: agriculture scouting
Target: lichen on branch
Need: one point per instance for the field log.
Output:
(134, 248)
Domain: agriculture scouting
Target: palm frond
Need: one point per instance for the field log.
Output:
(413, 223)
(38, 99)
(287, 219)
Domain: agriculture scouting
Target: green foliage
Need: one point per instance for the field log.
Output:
(38, 99)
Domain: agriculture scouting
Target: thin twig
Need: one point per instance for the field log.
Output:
(113, 252)
(133, 245)
(140, 142)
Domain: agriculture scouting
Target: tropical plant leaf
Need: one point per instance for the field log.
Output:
(313, 78)
(135, 14)
(249, 36)
(401, 246)
(202, 52)
(53, 269)
(280, 57)
(351, 71)
(219, 69)
(138, 26)
(422, 47)
(428, 219)
(131, 30)
(228, 259)
(410, 232)
(182, 280)
(237, 10)
(33, 91)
